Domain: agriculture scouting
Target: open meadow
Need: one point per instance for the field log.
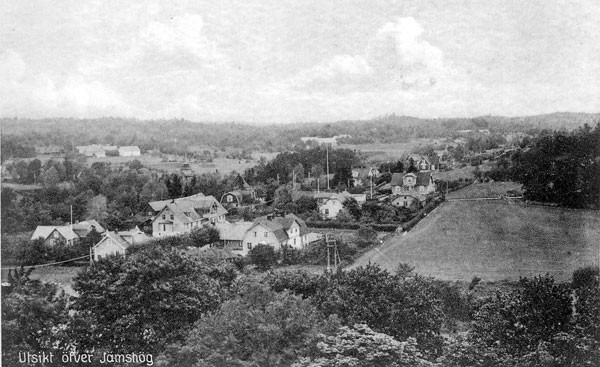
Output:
(494, 240)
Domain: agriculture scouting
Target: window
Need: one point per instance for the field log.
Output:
(172, 216)
(164, 217)
(254, 234)
(249, 245)
(326, 211)
(294, 241)
(266, 234)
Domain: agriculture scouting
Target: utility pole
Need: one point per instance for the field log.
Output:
(327, 149)
(371, 177)
(330, 242)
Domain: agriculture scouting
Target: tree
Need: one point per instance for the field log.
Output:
(34, 317)
(366, 236)
(144, 301)
(263, 256)
(283, 197)
(360, 346)
(259, 327)
(351, 205)
(205, 235)
(97, 208)
(306, 204)
(50, 178)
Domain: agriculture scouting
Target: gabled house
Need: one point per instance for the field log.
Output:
(67, 233)
(84, 228)
(181, 215)
(277, 232)
(117, 243)
(55, 234)
(408, 200)
(414, 186)
(232, 236)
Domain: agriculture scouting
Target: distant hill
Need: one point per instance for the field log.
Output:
(179, 136)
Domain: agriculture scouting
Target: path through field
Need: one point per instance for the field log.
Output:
(494, 240)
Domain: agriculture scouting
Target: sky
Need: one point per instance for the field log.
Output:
(294, 61)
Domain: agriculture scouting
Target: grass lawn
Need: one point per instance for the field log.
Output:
(484, 190)
(494, 240)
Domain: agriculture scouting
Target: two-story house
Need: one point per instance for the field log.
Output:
(411, 187)
(181, 215)
(277, 232)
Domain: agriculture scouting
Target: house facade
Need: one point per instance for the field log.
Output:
(70, 234)
(331, 208)
(129, 151)
(408, 200)
(276, 232)
(117, 243)
(181, 215)
(53, 235)
(411, 187)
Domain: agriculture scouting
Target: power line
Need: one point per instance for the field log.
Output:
(41, 265)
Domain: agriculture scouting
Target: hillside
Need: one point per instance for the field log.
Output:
(494, 240)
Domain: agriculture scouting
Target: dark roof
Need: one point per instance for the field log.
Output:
(397, 179)
(423, 178)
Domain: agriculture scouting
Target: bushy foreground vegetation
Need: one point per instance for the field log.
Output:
(194, 311)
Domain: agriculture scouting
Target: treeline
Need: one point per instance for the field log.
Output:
(303, 163)
(20, 136)
(562, 168)
(184, 308)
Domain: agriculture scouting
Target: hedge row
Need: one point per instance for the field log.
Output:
(426, 210)
(332, 224)
(354, 226)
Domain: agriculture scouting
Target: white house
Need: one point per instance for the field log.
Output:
(331, 207)
(129, 151)
(277, 232)
(117, 243)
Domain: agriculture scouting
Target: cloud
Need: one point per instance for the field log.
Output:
(184, 33)
(24, 92)
(396, 57)
(399, 55)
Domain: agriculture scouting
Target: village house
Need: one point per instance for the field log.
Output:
(117, 243)
(70, 234)
(408, 200)
(414, 186)
(129, 151)
(95, 150)
(243, 195)
(232, 236)
(181, 215)
(277, 231)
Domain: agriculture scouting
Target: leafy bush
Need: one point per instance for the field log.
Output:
(259, 327)
(145, 301)
(263, 257)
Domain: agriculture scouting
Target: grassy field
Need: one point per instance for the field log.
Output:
(494, 240)
(484, 190)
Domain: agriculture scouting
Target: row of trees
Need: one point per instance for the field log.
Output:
(559, 168)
